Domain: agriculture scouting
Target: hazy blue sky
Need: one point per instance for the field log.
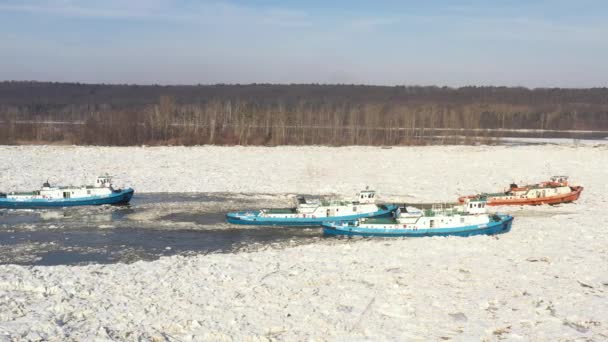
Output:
(534, 43)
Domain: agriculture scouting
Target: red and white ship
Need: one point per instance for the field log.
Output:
(555, 191)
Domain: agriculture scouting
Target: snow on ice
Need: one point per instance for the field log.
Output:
(545, 280)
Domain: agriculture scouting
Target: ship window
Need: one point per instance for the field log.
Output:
(462, 220)
(88, 192)
(354, 208)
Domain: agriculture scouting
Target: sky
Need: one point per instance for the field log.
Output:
(531, 43)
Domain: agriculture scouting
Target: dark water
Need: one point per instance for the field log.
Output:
(144, 230)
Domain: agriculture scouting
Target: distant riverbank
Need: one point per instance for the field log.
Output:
(294, 114)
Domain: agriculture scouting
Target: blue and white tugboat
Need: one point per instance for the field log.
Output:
(308, 212)
(103, 192)
(467, 219)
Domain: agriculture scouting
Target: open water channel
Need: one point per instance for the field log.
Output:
(151, 226)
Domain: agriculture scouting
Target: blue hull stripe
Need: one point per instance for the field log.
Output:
(502, 226)
(300, 222)
(121, 197)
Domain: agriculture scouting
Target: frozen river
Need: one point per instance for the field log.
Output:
(153, 225)
(168, 267)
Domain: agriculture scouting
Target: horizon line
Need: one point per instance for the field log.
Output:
(301, 84)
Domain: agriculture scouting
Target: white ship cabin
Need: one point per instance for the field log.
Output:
(366, 196)
(560, 180)
(102, 187)
(104, 181)
(471, 207)
(558, 185)
(474, 207)
(439, 216)
(315, 208)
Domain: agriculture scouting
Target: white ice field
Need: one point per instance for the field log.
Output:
(546, 280)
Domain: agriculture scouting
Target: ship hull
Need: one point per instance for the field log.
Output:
(251, 218)
(116, 198)
(490, 228)
(564, 198)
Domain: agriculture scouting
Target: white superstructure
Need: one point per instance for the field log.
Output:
(102, 187)
(316, 208)
(438, 216)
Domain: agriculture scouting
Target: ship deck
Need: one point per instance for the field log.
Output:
(280, 211)
(380, 220)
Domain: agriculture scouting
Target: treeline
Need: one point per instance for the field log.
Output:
(263, 114)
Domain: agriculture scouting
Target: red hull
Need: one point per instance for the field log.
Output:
(564, 198)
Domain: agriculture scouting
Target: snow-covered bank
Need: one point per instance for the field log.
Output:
(545, 280)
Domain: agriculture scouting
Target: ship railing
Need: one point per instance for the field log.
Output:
(444, 209)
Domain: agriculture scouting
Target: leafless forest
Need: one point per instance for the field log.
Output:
(265, 114)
